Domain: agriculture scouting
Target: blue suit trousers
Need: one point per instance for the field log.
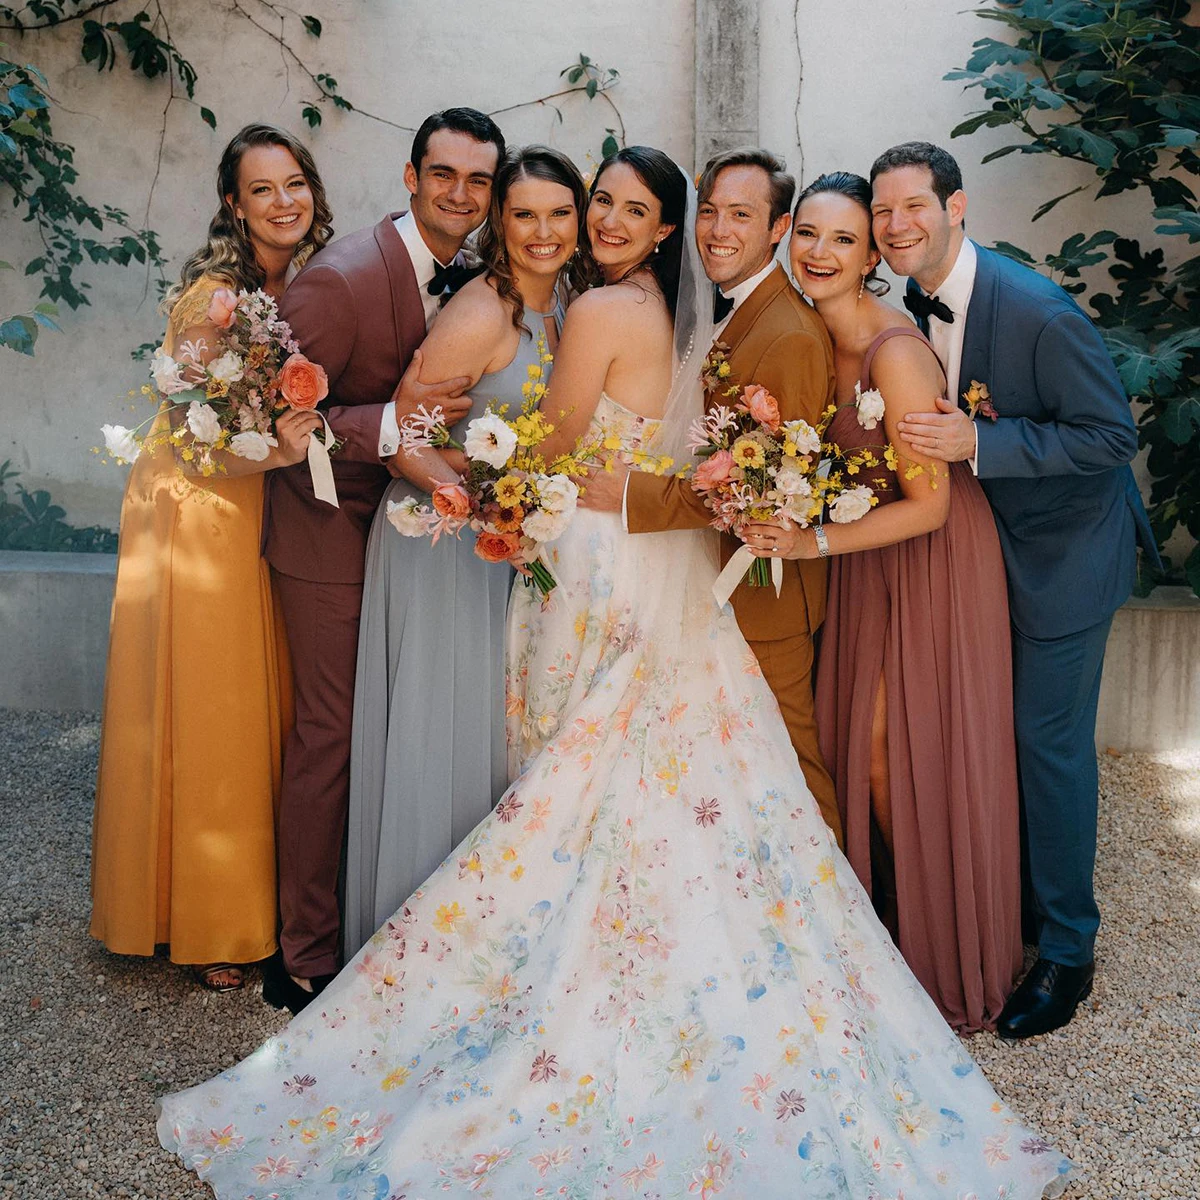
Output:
(1056, 685)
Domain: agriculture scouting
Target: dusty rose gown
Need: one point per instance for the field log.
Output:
(930, 615)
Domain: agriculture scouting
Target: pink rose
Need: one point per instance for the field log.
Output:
(221, 308)
(714, 471)
(304, 384)
(451, 500)
(762, 406)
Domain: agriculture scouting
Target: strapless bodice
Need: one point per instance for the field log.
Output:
(613, 418)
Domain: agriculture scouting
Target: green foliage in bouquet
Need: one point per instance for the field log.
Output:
(1115, 84)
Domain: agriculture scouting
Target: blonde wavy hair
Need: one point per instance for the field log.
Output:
(228, 252)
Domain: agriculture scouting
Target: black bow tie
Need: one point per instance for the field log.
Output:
(923, 307)
(722, 305)
(450, 278)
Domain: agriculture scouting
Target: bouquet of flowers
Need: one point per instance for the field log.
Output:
(230, 398)
(757, 467)
(511, 496)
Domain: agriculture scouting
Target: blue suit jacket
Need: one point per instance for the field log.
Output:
(1055, 465)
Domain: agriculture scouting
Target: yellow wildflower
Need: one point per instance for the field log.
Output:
(510, 490)
(748, 453)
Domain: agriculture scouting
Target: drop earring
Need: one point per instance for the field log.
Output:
(862, 283)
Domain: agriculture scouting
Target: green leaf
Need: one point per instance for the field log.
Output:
(1181, 418)
(206, 115)
(19, 334)
(609, 146)
(983, 120)
(1014, 252)
(1179, 220)
(1075, 140)
(312, 25)
(1175, 137)
(312, 115)
(8, 146)
(1142, 366)
(6, 266)
(574, 74)
(591, 89)
(1045, 208)
(992, 53)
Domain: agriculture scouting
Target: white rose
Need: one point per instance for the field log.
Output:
(166, 373)
(851, 505)
(203, 421)
(252, 445)
(409, 517)
(870, 406)
(803, 436)
(229, 368)
(120, 442)
(545, 526)
(792, 481)
(490, 440)
(556, 494)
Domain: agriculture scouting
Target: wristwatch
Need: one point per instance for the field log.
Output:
(822, 541)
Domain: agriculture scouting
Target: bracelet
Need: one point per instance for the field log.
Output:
(822, 541)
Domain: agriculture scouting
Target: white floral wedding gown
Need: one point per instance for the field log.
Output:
(648, 973)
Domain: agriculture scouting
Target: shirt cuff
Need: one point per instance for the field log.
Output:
(625, 505)
(389, 432)
(974, 459)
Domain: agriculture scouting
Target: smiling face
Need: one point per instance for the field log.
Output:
(540, 226)
(830, 251)
(452, 189)
(916, 234)
(624, 221)
(273, 198)
(734, 232)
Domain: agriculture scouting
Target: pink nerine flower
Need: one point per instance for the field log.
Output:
(221, 308)
(714, 471)
(762, 406)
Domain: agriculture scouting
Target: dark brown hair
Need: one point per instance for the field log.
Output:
(532, 162)
(856, 188)
(228, 253)
(947, 178)
(783, 186)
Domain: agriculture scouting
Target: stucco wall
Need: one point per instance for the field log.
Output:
(839, 80)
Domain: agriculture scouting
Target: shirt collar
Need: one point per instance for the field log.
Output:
(956, 288)
(423, 262)
(743, 289)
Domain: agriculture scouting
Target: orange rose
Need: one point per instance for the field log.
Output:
(762, 406)
(496, 547)
(451, 500)
(304, 384)
(221, 308)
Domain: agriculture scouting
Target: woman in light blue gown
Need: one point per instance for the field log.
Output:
(428, 755)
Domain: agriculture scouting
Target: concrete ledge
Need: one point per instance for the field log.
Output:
(1150, 697)
(54, 615)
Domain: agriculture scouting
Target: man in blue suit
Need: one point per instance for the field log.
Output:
(1052, 450)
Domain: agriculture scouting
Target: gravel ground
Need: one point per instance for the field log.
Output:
(88, 1039)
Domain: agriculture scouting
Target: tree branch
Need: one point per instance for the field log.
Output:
(75, 16)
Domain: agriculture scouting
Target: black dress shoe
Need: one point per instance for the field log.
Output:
(281, 991)
(1047, 998)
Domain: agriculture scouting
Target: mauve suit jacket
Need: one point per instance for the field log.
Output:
(356, 310)
(776, 340)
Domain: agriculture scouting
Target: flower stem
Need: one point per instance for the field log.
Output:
(539, 576)
(758, 575)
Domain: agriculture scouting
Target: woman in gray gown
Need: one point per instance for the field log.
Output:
(428, 751)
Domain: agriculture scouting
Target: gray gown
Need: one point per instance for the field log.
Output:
(427, 756)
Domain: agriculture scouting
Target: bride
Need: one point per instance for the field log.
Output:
(648, 972)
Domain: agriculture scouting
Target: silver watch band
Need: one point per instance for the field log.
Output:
(822, 541)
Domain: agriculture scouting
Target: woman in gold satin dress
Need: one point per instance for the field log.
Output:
(197, 694)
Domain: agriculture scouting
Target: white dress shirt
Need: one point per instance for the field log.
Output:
(955, 293)
(423, 265)
(738, 294)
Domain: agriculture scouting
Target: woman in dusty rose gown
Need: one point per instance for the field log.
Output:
(914, 696)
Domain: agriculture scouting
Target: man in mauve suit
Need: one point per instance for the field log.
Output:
(774, 339)
(1053, 459)
(360, 309)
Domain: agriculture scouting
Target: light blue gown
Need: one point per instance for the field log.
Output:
(428, 756)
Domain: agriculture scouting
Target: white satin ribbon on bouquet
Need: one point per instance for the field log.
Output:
(742, 560)
(319, 466)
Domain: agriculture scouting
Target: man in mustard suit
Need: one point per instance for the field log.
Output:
(771, 338)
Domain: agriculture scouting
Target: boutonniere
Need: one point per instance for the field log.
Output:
(716, 374)
(979, 401)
